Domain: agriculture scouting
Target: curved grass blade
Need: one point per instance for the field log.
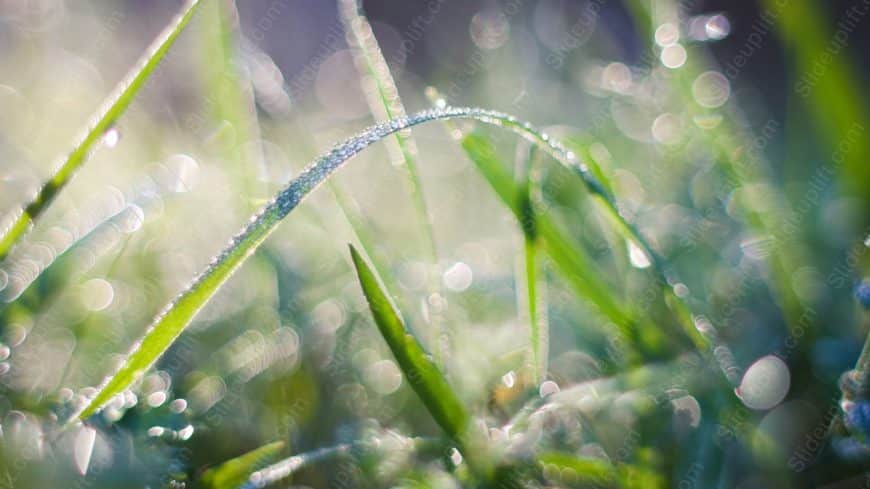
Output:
(178, 314)
(385, 103)
(234, 473)
(106, 116)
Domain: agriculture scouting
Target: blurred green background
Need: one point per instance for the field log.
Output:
(733, 135)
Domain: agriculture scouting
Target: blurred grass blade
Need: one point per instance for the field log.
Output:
(532, 275)
(285, 468)
(385, 103)
(572, 261)
(106, 116)
(423, 375)
(834, 95)
(178, 314)
(233, 474)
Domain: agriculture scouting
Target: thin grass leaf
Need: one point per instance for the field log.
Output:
(422, 374)
(178, 314)
(573, 262)
(234, 473)
(106, 116)
(385, 103)
(526, 176)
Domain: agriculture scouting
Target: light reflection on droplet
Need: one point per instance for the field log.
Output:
(185, 433)
(616, 77)
(666, 128)
(667, 34)
(717, 27)
(97, 294)
(637, 256)
(765, 383)
(687, 411)
(178, 406)
(383, 377)
(681, 290)
(184, 172)
(130, 219)
(711, 89)
(83, 448)
(156, 398)
(455, 456)
(509, 379)
(458, 277)
(547, 388)
(674, 56)
(111, 137)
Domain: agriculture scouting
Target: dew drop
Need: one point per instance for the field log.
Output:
(509, 379)
(97, 294)
(186, 432)
(458, 277)
(548, 388)
(111, 137)
(674, 56)
(711, 89)
(717, 27)
(455, 456)
(83, 448)
(667, 34)
(637, 256)
(765, 383)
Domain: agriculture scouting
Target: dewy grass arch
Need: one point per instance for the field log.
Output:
(178, 314)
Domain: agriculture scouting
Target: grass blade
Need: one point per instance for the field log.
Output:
(385, 103)
(178, 314)
(233, 473)
(532, 276)
(424, 377)
(420, 371)
(106, 116)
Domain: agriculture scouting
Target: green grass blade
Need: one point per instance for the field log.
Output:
(532, 277)
(835, 97)
(178, 314)
(385, 103)
(106, 116)
(234, 473)
(573, 262)
(422, 374)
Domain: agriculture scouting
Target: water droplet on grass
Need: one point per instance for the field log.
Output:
(765, 383)
(111, 137)
(637, 256)
(83, 448)
(458, 277)
(548, 387)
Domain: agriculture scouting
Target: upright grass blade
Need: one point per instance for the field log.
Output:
(234, 473)
(423, 375)
(385, 103)
(178, 314)
(105, 117)
(572, 262)
(533, 281)
(230, 98)
(831, 88)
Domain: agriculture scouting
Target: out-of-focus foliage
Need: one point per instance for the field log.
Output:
(731, 135)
